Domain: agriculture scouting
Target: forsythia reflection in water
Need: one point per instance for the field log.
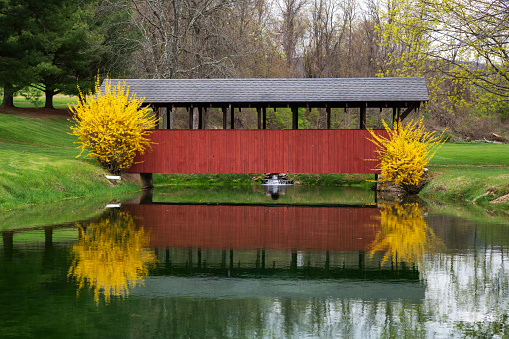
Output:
(404, 235)
(111, 256)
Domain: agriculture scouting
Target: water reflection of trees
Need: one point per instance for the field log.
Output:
(404, 235)
(111, 256)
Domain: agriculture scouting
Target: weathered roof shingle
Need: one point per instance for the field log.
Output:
(281, 90)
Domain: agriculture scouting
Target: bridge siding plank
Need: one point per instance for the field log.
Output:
(308, 156)
(257, 151)
(339, 149)
(325, 147)
(359, 153)
(367, 154)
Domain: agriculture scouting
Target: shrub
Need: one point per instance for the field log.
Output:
(405, 152)
(32, 95)
(112, 125)
(404, 235)
(111, 256)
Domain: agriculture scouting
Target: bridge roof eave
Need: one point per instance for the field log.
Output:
(312, 104)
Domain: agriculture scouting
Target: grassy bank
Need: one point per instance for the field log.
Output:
(38, 164)
(469, 172)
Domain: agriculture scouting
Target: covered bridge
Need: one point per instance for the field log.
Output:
(268, 151)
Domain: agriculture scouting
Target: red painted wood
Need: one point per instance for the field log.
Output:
(258, 151)
(359, 154)
(258, 227)
(340, 149)
(325, 149)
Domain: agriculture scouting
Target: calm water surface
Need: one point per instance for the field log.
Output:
(303, 270)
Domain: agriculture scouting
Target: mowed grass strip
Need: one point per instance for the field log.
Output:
(469, 172)
(472, 154)
(38, 164)
(59, 101)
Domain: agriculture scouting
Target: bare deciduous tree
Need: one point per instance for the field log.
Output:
(291, 31)
(180, 38)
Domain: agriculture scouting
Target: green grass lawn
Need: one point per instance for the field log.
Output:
(59, 101)
(477, 154)
(38, 164)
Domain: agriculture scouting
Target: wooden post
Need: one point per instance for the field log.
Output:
(8, 244)
(146, 197)
(395, 116)
(327, 109)
(232, 117)
(191, 117)
(146, 180)
(48, 238)
(231, 258)
(224, 117)
(259, 111)
(199, 257)
(362, 118)
(295, 117)
(362, 260)
(200, 117)
(263, 259)
(293, 263)
(264, 125)
(206, 112)
(168, 122)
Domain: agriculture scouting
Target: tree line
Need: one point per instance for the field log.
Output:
(460, 46)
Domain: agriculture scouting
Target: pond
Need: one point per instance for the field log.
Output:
(315, 262)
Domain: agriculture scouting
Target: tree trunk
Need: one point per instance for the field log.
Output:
(49, 98)
(8, 100)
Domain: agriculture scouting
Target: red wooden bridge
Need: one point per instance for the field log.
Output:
(261, 150)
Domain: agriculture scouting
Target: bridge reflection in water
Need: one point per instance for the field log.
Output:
(248, 241)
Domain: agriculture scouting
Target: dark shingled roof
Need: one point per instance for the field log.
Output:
(379, 92)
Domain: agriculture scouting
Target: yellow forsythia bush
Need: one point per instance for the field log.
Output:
(112, 125)
(404, 154)
(111, 257)
(404, 235)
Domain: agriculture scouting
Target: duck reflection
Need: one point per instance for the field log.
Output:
(404, 235)
(111, 256)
